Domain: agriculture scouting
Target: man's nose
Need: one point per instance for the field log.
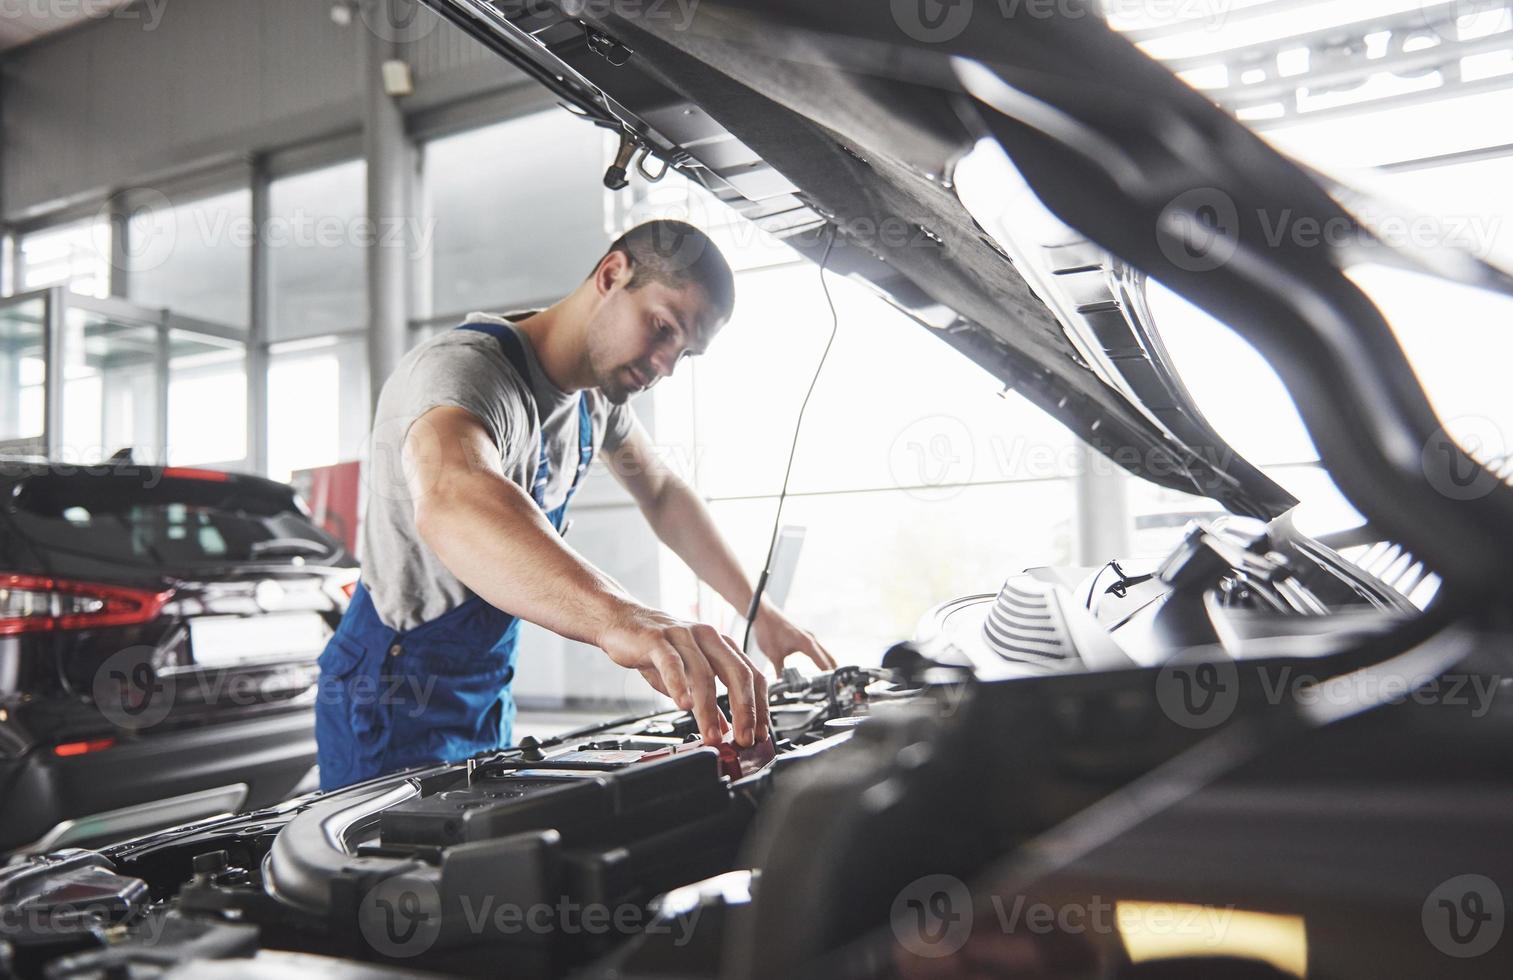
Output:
(663, 361)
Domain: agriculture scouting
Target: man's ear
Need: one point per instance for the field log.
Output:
(614, 269)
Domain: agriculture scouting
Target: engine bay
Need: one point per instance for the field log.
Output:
(1254, 730)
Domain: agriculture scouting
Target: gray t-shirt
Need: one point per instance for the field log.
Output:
(466, 369)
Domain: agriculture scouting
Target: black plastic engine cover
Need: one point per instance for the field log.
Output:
(585, 806)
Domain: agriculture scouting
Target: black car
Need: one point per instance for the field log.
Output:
(158, 634)
(1259, 757)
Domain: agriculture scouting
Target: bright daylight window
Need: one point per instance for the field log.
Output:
(193, 257)
(502, 222)
(1419, 112)
(76, 255)
(316, 266)
(916, 480)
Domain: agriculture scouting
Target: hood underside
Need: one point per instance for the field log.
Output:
(817, 134)
(826, 123)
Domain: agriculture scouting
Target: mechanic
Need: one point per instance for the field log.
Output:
(480, 438)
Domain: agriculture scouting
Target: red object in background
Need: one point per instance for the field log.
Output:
(334, 496)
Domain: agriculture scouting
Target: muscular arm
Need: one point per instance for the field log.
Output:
(682, 521)
(491, 535)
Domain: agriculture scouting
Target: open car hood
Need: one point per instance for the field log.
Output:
(837, 126)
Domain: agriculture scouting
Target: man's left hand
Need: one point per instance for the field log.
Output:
(779, 638)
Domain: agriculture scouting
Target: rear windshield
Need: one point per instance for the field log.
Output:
(166, 522)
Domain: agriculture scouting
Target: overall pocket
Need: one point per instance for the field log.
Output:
(354, 695)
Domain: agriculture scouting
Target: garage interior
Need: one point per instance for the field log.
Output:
(145, 148)
(223, 224)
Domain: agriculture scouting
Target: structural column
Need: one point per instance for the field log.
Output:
(259, 318)
(389, 157)
(1103, 520)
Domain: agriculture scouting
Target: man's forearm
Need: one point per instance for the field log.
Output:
(681, 519)
(493, 537)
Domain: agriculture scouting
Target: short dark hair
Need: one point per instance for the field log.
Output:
(677, 254)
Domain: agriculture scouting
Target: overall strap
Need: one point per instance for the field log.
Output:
(510, 346)
(585, 443)
(509, 343)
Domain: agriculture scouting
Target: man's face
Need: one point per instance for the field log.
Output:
(640, 334)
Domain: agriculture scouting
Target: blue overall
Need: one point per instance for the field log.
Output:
(391, 699)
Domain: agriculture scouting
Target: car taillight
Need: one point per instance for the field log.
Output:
(192, 473)
(35, 604)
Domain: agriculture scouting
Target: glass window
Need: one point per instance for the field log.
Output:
(317, 404)
(317, 269)
(110, 388)
(207, 401)
(193, 257)
(76, 255)
(873, 563)
(508, 231)
(916, 480)
(742, 242)
(22, 327)
(895, 406)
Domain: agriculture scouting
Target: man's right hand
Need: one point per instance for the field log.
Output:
(682, 659)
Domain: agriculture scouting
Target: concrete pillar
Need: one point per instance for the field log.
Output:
(389, 157)
(259, 316)
(1104, 528)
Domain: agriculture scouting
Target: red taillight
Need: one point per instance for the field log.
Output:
(82, 748)
(35, 604)
(189, 473)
